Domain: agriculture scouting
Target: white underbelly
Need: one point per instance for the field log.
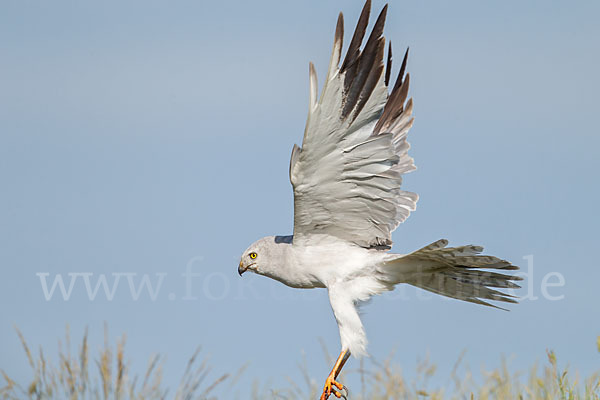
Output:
(333, 262)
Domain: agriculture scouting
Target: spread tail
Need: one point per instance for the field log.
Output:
(458, 272)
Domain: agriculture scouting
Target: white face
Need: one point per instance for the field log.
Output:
(263, 256)
(254, 256)
(249, 261)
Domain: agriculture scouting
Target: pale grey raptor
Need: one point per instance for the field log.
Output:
(347, 199)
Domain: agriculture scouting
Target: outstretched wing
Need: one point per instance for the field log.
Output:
(347, 175)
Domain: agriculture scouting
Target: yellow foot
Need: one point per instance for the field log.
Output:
(333, 387)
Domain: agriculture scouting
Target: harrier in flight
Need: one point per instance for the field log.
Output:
(348, 199)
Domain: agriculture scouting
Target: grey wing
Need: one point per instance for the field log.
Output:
(347, 175)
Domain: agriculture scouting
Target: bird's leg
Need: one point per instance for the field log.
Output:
(331, 385)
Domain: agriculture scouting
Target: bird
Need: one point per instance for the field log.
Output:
(348, 200)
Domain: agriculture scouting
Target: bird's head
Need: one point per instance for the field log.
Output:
(262, 256)
(254, 257)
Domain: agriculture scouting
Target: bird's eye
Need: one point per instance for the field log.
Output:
(253, 255)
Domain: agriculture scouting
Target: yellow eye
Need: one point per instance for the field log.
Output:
(253, 255)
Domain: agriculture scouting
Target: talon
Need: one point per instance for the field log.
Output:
(339, 394)
(330, 388)
(347, 392)
(330, 383)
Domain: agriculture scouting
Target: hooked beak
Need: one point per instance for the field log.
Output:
(241, 268)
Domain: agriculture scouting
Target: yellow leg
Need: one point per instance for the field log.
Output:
(331, 385)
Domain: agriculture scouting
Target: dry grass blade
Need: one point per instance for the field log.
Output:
(70, 378)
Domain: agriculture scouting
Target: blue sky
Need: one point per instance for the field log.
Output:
(144, 136)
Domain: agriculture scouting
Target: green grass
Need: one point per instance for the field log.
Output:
(77, 376)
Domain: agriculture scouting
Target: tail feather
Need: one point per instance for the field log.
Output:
(458, 272)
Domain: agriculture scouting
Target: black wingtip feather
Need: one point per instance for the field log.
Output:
(372, 78)
(388, 68)
(400, 78)
(362, 76)
(395, 104)
(378, 27)
(359, 33)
